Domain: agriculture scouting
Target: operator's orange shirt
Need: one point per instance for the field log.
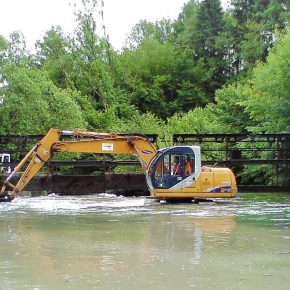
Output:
(188, 168)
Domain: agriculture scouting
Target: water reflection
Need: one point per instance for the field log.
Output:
(105, 242)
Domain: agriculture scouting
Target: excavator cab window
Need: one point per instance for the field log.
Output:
(171, 167)
(168, 170)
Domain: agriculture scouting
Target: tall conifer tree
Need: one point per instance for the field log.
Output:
(210, 25)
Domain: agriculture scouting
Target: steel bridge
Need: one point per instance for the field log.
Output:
(267, 152)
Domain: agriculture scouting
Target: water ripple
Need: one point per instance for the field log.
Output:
(111, 204)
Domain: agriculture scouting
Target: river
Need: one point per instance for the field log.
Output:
(109, 242)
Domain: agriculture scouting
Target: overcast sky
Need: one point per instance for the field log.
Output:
(34, 17)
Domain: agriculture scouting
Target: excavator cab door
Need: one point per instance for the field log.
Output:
(173, 167)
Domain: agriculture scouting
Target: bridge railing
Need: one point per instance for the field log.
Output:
(232, 150)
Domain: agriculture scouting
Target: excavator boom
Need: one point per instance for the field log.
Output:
(85, 142)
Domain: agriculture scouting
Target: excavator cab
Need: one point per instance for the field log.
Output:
(174, 168)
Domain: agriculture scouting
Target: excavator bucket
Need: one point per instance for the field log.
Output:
(6, 198)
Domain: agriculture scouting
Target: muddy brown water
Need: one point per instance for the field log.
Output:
(109, 242)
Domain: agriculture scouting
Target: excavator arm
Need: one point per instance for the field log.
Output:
(84, 142)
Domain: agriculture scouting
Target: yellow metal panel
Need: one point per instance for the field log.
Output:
(206, 181)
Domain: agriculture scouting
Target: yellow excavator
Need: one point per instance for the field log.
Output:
(173, 173)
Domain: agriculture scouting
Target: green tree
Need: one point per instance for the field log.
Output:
(269, 100)
(91, 71)
(31, 103)
(191, 78)
(17, 52)
(199, 33)
(196, 121)
(252, 46)
(185, 27)
(54, 56)
(144, 30)
(210, 26)
(4, 45)
(259, 104)
(253, 35)
(229, 108)
(149, 79)
(242, 10)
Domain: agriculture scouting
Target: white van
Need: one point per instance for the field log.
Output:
(5, 161)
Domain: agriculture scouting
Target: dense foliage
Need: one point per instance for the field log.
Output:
(212, 70)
